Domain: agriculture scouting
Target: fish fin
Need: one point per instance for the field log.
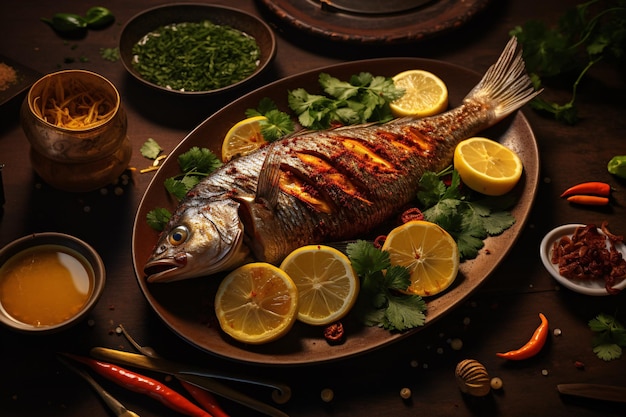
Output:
(268, 190)
(506, 85)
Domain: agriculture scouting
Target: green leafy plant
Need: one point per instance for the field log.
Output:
(278, 123)
(364, 98)
(585, 35)
(382, 301)
(609, 337)
(469, 217)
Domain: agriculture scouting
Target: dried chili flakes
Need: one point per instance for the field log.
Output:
(586, 256)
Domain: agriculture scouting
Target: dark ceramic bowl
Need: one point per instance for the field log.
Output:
(147, 21)
(80, 252)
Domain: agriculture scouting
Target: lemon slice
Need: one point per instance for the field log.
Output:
(327, 285)
(256, 303)
(487, 166)
(425, 94)
(244, 137)
(429, 252)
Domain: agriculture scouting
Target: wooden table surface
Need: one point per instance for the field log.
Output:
(500, 315)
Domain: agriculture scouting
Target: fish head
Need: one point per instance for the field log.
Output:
(202, 238)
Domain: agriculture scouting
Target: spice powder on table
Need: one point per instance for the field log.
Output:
(8, 76)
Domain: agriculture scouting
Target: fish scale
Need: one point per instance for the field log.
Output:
(324, 186)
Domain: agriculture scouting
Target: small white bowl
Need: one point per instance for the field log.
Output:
(595, 287)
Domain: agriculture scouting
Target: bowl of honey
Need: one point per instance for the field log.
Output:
(48, 282)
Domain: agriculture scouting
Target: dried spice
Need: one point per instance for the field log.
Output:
(8, 76)
(585, 256)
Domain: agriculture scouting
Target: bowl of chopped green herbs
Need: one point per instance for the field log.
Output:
(196, 49)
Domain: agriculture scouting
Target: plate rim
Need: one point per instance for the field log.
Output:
(531, 182)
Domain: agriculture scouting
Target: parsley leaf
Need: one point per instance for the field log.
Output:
(195, 164)
(364, 98)
(150, 149)
(468, 219)
(158, 218)
(382, 301)
(609, 338)
(278, 123)
(200, 161)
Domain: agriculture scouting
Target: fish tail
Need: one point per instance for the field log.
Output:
(506, 85)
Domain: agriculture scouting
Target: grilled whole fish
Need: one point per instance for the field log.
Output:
(324, 186)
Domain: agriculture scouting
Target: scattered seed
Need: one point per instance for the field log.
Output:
(496, 383)
(327, 395)
(544, 372)
(405, 393)
(456, 344)
(557, 332)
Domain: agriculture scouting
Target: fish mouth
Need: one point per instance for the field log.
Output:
(162, 270)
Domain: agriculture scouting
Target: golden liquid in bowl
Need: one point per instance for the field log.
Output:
(45, 285)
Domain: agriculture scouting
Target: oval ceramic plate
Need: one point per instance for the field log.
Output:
(149, 20)
(187, 306)
(595, 287)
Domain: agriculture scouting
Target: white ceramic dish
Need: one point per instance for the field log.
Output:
(595, 288)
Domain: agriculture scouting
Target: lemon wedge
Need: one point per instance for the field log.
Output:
(428, 251)
(327, 285)
(425, 94)
(244, 137)
(487, 166)
(256, 303)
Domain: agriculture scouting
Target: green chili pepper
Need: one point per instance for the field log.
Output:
(617, 166)
(67, 22)
(99, 17)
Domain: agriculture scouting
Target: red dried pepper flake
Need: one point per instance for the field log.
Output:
(411, 214)
(585, 256)
(334, 333)
(379, 241)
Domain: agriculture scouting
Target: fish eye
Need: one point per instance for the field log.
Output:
(178, 235)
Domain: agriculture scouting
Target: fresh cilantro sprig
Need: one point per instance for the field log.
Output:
(364, 98)
(469, 217)
(278, 123)
(194, 164)
(585, 34)
(609, 338)
(382, 301)
(150, 149)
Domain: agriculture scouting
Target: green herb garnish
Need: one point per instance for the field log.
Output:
(158, 218)
(382, 301)
(150, 149)
(198, 56)
(110, 54)
(469, 217)
(195, 164)
(610, 337)
(585, 34)
(364, 98)
(278, 123)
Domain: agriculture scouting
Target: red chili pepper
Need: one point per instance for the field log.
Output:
(533, 346)
(143, 385)
(205, 399)
(594, 188)
(588, 200)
